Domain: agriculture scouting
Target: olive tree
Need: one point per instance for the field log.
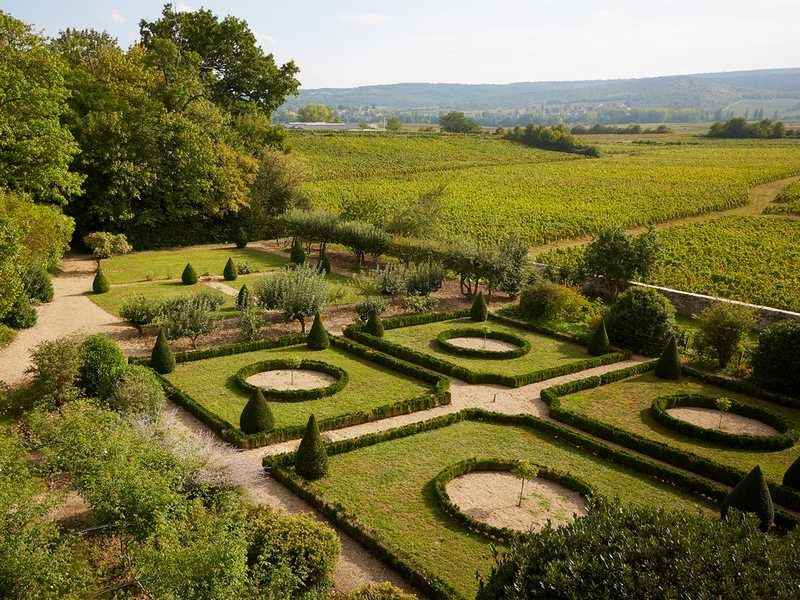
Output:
(300, 293)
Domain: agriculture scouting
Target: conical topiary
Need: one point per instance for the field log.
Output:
(318, 338)
(243, 298)
(162, 359)
(256, 416)
(479, 311)
(229, 273)
(324, 264)
(791, 478)
(374, 324)
(241, 238)
(599, 343)
(100, 283)
(311, 460)
(297, 255)
(752, 495)
(669, 363)
(189, 277)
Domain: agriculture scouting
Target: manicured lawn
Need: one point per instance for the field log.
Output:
(211, 383)
(169, 264)
(546, 352)
(626, 404)
(386, 486)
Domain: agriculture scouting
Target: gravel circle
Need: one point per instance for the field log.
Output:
(288, 379)
(488, 344)
(709, 418)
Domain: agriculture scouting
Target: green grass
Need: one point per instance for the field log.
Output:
(169, 264)
(387, 487)
(546, 352)
(210, 382)
(626, 404)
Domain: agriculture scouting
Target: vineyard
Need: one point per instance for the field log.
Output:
(787, 202)
(494, 187)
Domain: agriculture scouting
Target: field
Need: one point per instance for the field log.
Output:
(787, 202)
(387, 487)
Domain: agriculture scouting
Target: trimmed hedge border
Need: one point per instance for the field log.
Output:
(439, 396)
(784, 439)
(443, 339)
(682, 459)
(356, 332)
(280, 467)
(473, 465)
(339, 374)
(293, 339)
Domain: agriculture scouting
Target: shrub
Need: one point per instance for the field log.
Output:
(362, 238)
(722, 329)
(776, 359)
(243, 298)
(641, 320)
(22, 315)
(138, 392)
(240, 238)
(251, 321)
(139, 311)
(545, 300)
(380, 591)
(619, 258)
(103, 244)
(243, 268)
(669, 363)
(37, 284)
(324, 264)
(187, 316)
(374, 325)
(599, 344)
(420, 304)
(189, 276)
(102, 364)
(424, 278)
(100, 284)
(479, 310)
(229, 272)
(56, 365)
(369, 305)
(311, 460)
(162, 359)
(751, 494)
(791, 478)
(297, 256)
(256, 416)
(391, 280)
(318, 337)
(300, 292)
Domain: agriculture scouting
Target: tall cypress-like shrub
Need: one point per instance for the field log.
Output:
(479, 310)
(311, 460)
(374, 324)
(752, 495)
(243, 299)
(669, 363)
(189, 276)
(599, 344)
(100, 283)
(791, 478)
(162, 359)
(324, 264)
(318, 338)
(229, 273)
(256, 416)
(297, 256)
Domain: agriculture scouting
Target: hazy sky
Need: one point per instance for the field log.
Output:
(346, 42)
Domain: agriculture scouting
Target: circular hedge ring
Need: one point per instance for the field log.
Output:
(474, 465)
(340, 376)
(523, 346)
(785, 438)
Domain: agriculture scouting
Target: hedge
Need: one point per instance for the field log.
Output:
(339, 374)
(680, 458)
(784, 439)
(240, 348)
(523, 345)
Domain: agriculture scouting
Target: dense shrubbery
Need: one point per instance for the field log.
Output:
(669, 363)
(102, 365)
(616, 129)
(457, 122)
(723, 327)
(300, 293)
(103, 244)
(776, 359)
(189, 275)
(479, 311)
(187, 316)
(740, 128)
(556, 137)
(318, 336)
(550, 301)
(37, 284)
(641, 320)
(140, 311)
(370, 305)
(424, 278)
(256, 415)
(21, 315)
(751, 495)
(56, 366)
(162, 359)
(137, 392)
(252, 321)
(100, 283)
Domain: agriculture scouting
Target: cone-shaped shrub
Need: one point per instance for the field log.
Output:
(241, 238)
(791, 478)
(162, 359)
(100, 284)
(230, 270)
(189, 277)
(243, 298)
(324, 264)
(669, 363)
(479, 311)
(751, 494)
(256, 416)
(599, 343)
(318, 338)
(374, 324)
(297, 255)
(311, 460)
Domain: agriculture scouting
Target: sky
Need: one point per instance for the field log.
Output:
(348, 43)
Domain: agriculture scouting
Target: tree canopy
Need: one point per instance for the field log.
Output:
(457, 122)
(316, 113)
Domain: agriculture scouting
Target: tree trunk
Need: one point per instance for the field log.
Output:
(521, 491)
(302, 324)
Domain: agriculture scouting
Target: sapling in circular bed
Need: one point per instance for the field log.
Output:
(293, 363)
(723, 406)
(525, 470)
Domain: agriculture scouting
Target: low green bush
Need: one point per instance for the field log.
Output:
(252, 321)
(545, 300)
(140, 311)
(230, 273)
(256, 416)
(424, 278)
(243, 298)
(479, 311)
(37, 284)
(391, 280)
(324, 264)
(311, 460)
(669, 363)
(641, 320)
(102, 364)
(189, 275)
(162, 359)
(318, 336)
(22, 315)
(379, 591)
(297, 256)
(374, 325)
(56, 366)
(369, 305)
(599, 343)
(751, 494)
(776, 359)
(138, 392)
(791, 478)
(722, 329)
(100, 283)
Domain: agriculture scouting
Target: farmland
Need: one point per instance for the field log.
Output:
(787, 202)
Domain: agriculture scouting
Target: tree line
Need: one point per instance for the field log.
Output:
(741, 128)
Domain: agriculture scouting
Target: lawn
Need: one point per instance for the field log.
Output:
(211, 383)
(625, 404)
(386, 486)
(169, 264)
(546, 352)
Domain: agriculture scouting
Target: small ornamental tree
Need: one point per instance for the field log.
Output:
(641, 320)
(525, 470)
(297, 256)
(240, 238)
(243, 298)
(139, 311)
(189, 276)
(256, 416)
(752, 495)
(599, 344)
(318, 337)
(723, 405)
(669, 363)
(102, 364)
(311, 460)
(722, 329)
(479, 310)
(229, 273)
(100, 284)
(374, 324)
(791, 478)
(162, 359)
(300, 293)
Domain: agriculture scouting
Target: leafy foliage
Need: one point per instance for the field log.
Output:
(300, 293)
(139, 311)
(556, 137)
(189, 276)
(641, 320)
(243, 298)
(722, 329)
(252, 321)
(479, 310)
(187, 316)
(138, 392)
(297, 256)
(37, 284)
(599, 344)
(457, 122)
(374, 325)
(105, 245)
(102, 364)
(545, 300)
(776, 359)
(56, 366)
(230, 273)
(619, 258)
(424, 278)
(21, 315)
(740, 128)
